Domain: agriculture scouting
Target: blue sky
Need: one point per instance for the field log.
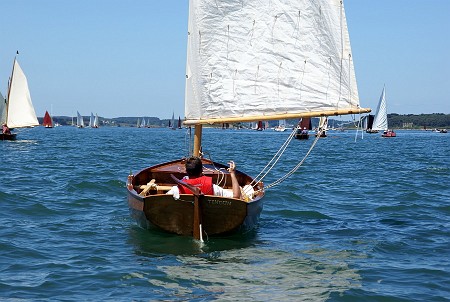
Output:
(127, 58)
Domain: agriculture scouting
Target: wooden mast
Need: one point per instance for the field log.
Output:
(197, 140)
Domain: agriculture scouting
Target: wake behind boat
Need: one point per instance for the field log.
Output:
(246, 63)
(16, 111)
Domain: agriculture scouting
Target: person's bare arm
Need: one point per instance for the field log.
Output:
(234, 181)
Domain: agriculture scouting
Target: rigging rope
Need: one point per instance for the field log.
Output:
(283, 178)
(274, 159)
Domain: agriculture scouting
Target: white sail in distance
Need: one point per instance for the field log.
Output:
(80, 121)
(96, 123)
(247, 60)
(2, 109)
(91, 120)
(20, 108)
(380, 120)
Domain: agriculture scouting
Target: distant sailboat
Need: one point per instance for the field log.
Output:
(172, 122)
(91, 121)
(304, 126)
(96, 122)
(281, 126)
(179, 122)
(80, 121)
(260, 126)
(143, 124)
(367, 123)
(380, 122)
(48, 121)
(17, 110)
(322, 128)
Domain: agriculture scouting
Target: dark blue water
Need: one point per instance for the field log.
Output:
(359, 221)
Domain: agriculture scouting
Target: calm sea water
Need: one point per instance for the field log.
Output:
(359, 221)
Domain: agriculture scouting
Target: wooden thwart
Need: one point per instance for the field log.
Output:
(147, 187)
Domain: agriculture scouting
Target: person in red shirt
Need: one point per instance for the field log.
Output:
(194, 170)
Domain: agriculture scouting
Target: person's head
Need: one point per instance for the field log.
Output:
(194, 166)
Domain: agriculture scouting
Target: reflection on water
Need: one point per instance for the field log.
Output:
(238, 269)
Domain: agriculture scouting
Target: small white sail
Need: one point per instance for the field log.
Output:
(380, 121)
(20, 110)
(91, 120)
(80, 121)
(276, 59)
(173, 121)
(96, 124)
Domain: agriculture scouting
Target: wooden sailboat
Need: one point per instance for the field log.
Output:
(16, 111)
(247, 63)
(48, 121)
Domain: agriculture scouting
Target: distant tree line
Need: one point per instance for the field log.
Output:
(434, 120)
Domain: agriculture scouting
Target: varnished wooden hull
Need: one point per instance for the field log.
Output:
(7, 137)
(219, 215)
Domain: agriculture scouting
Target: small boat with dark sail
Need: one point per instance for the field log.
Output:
(367, 122)
(16, 111)
(248, 73)
(304, 126)
(47, 121)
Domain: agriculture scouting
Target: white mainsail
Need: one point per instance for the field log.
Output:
(380, 121)
(20, 110)
(253, 60)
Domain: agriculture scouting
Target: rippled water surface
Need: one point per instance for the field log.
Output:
(359, 221)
